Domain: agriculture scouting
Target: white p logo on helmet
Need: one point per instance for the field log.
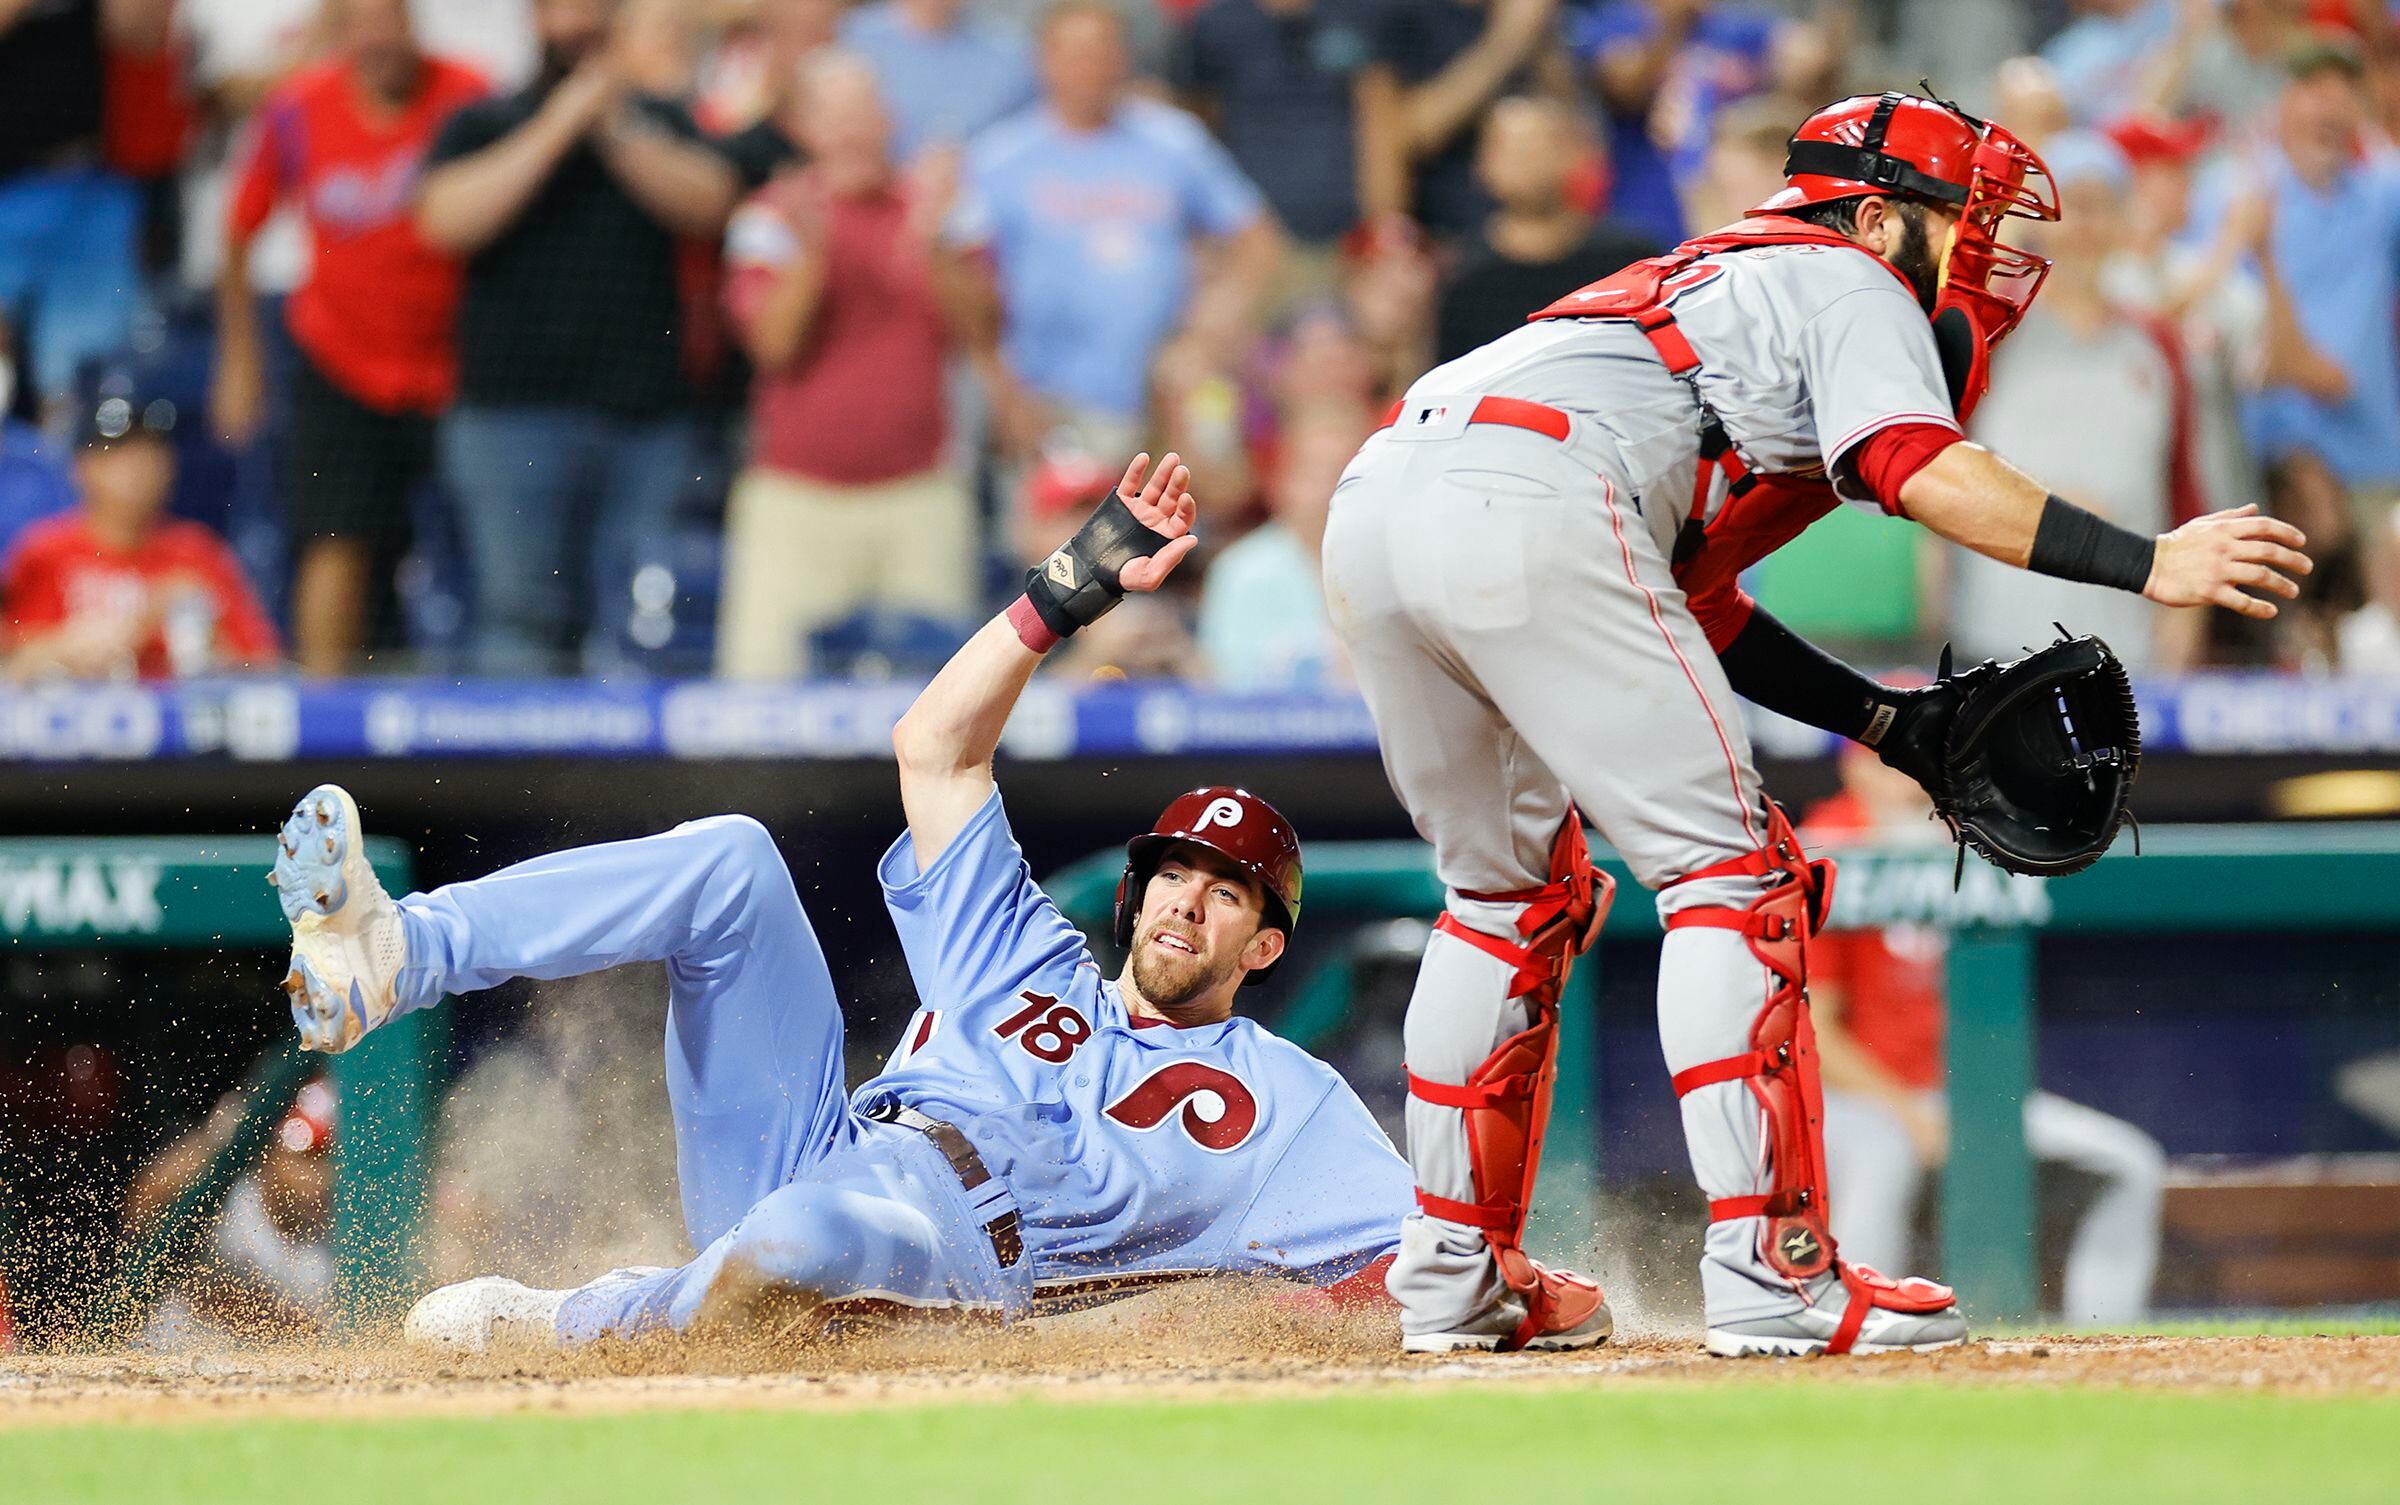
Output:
(1220, 812)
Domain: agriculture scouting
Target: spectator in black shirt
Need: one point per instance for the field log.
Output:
(70, 281)
(1537, 246)
(1301, 96)
(1452, 59)
(573, 434)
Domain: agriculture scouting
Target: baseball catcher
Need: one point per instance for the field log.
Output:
(1535, 563)
(1040, 1134)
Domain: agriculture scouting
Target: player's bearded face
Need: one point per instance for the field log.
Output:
(1191, 937)
(1913, 253)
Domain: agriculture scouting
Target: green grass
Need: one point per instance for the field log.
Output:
(1850, 1444)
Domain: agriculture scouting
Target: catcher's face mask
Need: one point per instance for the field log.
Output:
(1985, 285)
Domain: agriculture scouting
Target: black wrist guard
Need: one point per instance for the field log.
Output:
(1077, 585)
(2072, 544)
(1768, 664)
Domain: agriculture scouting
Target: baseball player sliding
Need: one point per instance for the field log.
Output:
(1534, 565)
(1041, 1132)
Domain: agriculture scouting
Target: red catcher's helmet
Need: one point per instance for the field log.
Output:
(1236, 825)
(1930, 149)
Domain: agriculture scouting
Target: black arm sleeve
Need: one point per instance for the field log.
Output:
(1768, 664)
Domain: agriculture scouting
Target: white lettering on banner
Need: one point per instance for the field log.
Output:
(1043, 724)
(53, 896)
(63, 721)
(821, 721)
(1874, 890)
(398, 724)
(1178, 721)
(2240, 714)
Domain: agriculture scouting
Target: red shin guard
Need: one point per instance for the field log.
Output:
(1781, 1070)
(1506, 1100)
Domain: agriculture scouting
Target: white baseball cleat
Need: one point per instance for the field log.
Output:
(1578, 1318)
(1811, 1330)
(348, 944)
(489, 1311)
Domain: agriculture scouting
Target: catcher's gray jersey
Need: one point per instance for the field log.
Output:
(1804, 351)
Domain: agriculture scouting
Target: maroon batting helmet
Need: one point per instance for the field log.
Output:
(1239, 827)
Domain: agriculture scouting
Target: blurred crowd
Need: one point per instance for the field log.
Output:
(776, 337)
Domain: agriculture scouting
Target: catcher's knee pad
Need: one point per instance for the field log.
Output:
(1780, 1066)
(1506, 1100)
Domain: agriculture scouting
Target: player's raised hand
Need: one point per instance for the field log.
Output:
(2235, 559)
(1163, 503)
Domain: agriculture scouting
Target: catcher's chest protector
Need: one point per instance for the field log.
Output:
(1761, 511)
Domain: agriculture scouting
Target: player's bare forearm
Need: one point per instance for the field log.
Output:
(2235, 559)
(1978, 501)
(946, 741)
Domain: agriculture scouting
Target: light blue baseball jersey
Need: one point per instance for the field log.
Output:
(1092, 236)
(1130, 1147)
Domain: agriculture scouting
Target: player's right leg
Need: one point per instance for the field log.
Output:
(754, 1030)
(1481, 1036)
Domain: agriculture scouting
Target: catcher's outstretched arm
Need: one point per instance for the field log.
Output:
(2236, 559)
(946, 741)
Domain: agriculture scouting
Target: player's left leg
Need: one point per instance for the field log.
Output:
(2114, 1255)
(754, 1030)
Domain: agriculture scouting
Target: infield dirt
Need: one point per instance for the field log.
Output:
(1189, 1342)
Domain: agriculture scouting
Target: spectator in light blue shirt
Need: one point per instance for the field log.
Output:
(944, 74)
(1262, 602)
(2336, 243)
(2099, 56)
(1090, 212)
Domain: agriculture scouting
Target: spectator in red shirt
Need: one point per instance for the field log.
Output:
(117, 588)
(846, 502)
(372, 321)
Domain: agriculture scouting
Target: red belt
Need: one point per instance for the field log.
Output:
(1515, 412)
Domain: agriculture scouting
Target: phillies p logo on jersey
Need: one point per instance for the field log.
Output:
(1218, 1109)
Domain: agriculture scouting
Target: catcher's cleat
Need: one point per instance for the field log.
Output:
(1578, 1317)
(348, 944)
(1910, 1315)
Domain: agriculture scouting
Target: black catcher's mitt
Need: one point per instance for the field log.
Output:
(2030, 762)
